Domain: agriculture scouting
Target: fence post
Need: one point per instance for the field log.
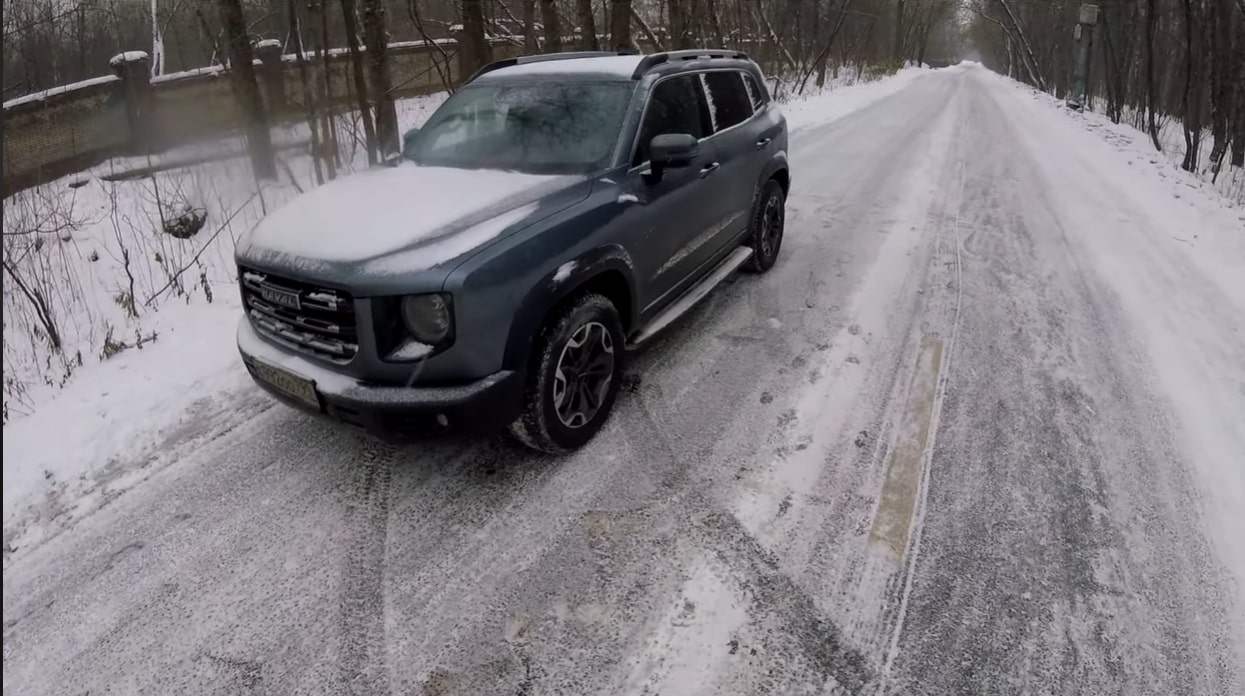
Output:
(464, 62)
(133, 67)
(272, 73)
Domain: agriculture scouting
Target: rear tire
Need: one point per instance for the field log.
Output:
(574, 376)
(768, 221)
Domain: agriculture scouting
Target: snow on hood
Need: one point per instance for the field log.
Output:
(407, 208)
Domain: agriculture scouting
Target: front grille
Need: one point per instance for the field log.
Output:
(315, 320)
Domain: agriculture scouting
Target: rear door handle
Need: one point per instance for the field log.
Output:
(763, 142)
(709, 169)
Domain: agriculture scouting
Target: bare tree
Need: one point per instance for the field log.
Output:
(531, 43)
(587, 25)
(476, 50)
(553, 28)
(376, 38)
(620, 25)
(246, 90)
(360, 82)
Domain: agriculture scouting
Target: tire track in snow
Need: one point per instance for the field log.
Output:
(362, 669)
(943, 378)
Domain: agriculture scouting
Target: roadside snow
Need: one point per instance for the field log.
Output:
(836, 101)
(1173, 253)
(76, 420)
(116, 414)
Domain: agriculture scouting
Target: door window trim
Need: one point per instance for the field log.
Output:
(648, 98)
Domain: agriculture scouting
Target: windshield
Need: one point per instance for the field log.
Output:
(547, 128)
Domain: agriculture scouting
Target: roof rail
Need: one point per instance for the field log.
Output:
(544, 57)
(652, 60)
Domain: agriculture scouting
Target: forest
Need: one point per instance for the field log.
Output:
(1153, 61)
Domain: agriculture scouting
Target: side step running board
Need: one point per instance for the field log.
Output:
(691, 296)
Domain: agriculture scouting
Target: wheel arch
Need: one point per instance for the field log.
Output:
(606, 270)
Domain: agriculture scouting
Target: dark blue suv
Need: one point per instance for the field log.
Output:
(553, 213)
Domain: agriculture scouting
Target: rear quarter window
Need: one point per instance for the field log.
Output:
(728, 100)
(756, 96)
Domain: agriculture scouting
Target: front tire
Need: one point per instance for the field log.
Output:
(768, 221)
(573, 379)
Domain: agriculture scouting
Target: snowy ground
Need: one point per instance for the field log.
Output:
(979, 431)
(109, 413)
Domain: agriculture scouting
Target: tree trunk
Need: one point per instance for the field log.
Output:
(309, 101)
(329, 126)
(1030, 60)
(360, 82)
(1222, 95)
(620, 25)
(1192, 103)
(376, 38)
(680, 25)
(477, 49)
(897, 43)
(553, 27)
(716, 22)
(531, 43)
(1238, 138)
(246, 90)
(587, 26)
(647, 30)
(1151, 87)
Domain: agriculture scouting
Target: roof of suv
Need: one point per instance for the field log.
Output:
(620, 67)
(600, 64)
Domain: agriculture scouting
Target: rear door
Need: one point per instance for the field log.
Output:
(737, 140)
(681, 206)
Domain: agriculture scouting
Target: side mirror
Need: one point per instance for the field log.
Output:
(671, 151)
(408, 142)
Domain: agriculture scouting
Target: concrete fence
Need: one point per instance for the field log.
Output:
(69, 128)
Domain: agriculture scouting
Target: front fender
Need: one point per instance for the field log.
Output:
(558, 285)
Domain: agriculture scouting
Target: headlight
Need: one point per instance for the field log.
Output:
(427, 317)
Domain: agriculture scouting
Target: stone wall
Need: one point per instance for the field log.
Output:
(69, 128)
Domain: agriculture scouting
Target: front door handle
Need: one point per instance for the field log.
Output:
(709, 169)
(763, 142)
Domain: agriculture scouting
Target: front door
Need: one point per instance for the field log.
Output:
(683, 206)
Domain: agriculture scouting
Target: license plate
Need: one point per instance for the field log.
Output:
(287, 383)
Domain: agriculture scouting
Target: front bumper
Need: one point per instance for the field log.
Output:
(388, 411)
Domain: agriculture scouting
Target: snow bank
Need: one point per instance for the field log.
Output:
(72, 87)
(843, 97)
(127, 57)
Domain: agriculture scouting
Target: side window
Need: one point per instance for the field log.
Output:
(755, 95)
(675, 106)
(728, 100)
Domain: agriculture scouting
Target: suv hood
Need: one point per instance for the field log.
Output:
(404, 218)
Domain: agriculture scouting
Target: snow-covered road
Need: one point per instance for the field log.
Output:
(981, 430)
